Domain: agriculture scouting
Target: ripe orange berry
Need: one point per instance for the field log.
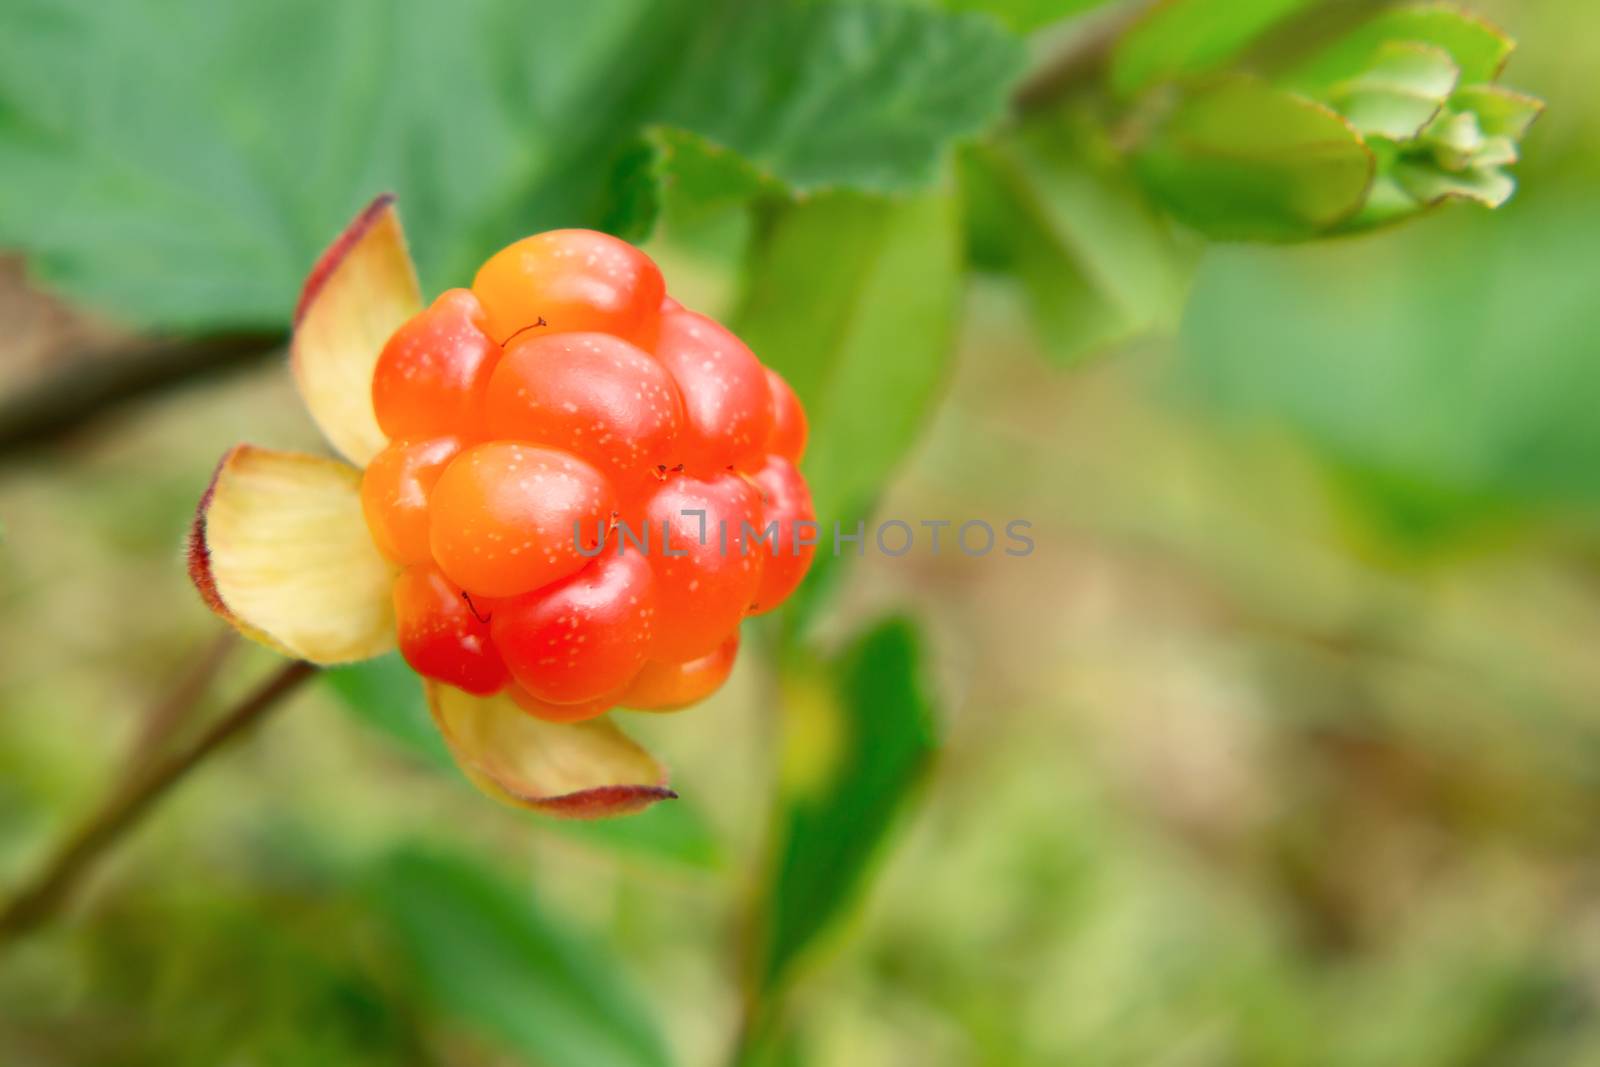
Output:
(582, 637)
(430, 376)
(670, 686)
(543, 709)
(505, 517)
(726, 402)
(571, 280)
(577, 465)
(706, 577)
(394, 495)
(786, 557)
(592, 394)
(787, 437)
(440, 634)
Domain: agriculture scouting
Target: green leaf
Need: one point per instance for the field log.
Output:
(1070, 314)
(859, 737)
(854, 300)
(865, 97)
(1455, 139)
(201, 196)
(1184, 38)
(386, 695)
(1430, 185)
(1024, 16)
(494, 962)
(1447, 371)
(1095, 266)
(676, 171)
(1478, 48)
(1501, 112)
(1400, 93)
(1246, 161)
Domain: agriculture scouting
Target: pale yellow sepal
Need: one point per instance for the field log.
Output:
(280, 549)
(581, 770)
(357, 295)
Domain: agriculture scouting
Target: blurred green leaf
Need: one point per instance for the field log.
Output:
(1059, 214)
(1444, 373)
(1478, 48)
(1430, 185)
(493, 961)
(1413, 81)
(1402, 90)
(201, 196)
(1183, 38)
(677, 171)
(854, 301)
(1070, 314)
(1501, 112)
(1245, 161)
(386, 695)
(1024, 16)
(859, 736)
(837, 95)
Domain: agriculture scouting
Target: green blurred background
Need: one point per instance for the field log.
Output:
(1283, 746)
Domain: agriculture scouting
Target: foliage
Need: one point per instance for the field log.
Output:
(1276, 752)
(1397, 116)
(486, 954)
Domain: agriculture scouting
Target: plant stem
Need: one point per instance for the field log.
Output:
(48, 890)
(1080, 57)
(83, 387)
(167, 716)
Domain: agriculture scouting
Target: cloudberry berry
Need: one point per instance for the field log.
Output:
(431, 375)
(787, 438)
(581, 637)
(592, 394)
(503, 513)
(394, 495)
(670, 686)
(727, 403)
(584, 709)
(576, 472)
(705, 575)
(787, 542)
(441, 634)
(571, 280)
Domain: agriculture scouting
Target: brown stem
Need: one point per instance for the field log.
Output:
(85, 386)
(168, 714)
(45, 893)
